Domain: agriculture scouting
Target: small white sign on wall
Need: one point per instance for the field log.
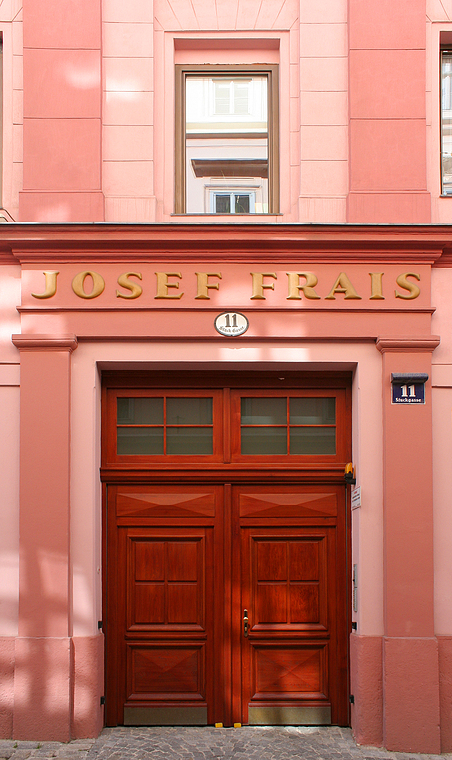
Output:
(356, 497)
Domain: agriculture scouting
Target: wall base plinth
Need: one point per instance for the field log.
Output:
(411, 711)
(88, 715)
(445, 691)
(50, 688)
(366, 681)
(6, 686)
(42, 689)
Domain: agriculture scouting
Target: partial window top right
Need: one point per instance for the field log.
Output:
(446, 122)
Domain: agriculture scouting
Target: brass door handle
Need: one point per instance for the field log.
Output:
(246, 623)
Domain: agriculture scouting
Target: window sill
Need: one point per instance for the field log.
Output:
(230, 217)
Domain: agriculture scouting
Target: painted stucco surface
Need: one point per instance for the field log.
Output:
(103, 151)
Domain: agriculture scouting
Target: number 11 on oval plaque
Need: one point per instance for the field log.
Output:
(231, 324)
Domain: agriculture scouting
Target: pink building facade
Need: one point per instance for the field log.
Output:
(172, 170)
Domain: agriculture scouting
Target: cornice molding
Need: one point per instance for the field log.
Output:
(408, 344)
(203, 240)
(40, 342)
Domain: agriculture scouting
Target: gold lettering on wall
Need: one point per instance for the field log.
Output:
(343, 285)
(51, 285)
(259, 286)
(404, 283)
(163, 284)
(135, 289)
(203, 284)
(376, 285)
(299, 284)
(308, 288)
(78, 284)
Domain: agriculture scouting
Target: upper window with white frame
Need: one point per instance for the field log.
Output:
(446, 122)
(226, 140)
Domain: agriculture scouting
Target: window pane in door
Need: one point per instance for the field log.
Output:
(313, 440)
(264, 440)
(140, 411)
(189, 411)
(137, 440)
(189, 440)
(312, 411)
(264, 411)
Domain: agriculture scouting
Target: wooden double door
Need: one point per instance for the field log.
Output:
(226, 603)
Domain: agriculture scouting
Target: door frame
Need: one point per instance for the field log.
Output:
(228, 712)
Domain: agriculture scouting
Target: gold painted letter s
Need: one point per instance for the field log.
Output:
(51, 285)
(135, 289)
(404, 283)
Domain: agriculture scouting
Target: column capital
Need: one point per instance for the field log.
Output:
(40, 342)
(408, 344)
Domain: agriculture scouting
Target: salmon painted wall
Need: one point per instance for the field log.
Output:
(9, 449)
(442, 446)
(9, 489)
(104, 148)
(62, 111)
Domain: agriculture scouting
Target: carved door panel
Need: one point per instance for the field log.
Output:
(161, 604)
(293, 655)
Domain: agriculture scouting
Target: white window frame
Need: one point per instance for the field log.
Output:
(213, 193)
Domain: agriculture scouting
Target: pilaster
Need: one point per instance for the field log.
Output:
(43, 656)
(410, 649)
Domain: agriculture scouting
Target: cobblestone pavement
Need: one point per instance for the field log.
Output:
(190, 743)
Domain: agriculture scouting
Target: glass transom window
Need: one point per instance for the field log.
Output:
(164, 425)
(288, 425)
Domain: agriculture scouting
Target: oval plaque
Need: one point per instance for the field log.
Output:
(231, 323)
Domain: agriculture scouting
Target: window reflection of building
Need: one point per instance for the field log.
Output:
(226, 144)
(446, 122)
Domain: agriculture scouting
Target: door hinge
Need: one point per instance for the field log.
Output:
(102, 700)
(352, 699)
(100, 624)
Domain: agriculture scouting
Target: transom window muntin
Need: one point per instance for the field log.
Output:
(226, 128)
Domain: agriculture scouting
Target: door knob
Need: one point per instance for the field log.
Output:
(246, 623)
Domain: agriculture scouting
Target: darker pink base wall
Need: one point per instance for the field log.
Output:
(50, 688)
(42, 694)
(6, 686)
(403, 693)
(88, 715)
(366, 685)
(411, 695)
(445, 691)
